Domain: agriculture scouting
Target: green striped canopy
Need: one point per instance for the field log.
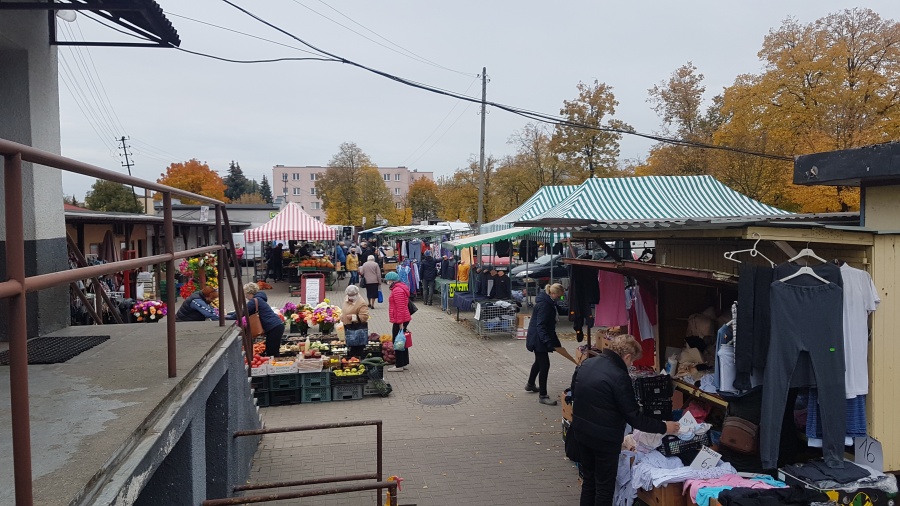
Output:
(654, 198)
(491, 237)
(543, 200)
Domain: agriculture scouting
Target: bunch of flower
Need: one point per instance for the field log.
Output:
(324, 312)
(288, 309)
(185, 269)
(279, 314)
(150, 310)
(188, 288)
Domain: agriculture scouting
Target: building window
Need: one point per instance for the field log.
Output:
(387, 177)
(284, 177)
(284, 192)
(312, 191)
(398, 205)
(316, 205)
(314, 177)
(396, 191)
(318, 218)
(296, 191)
(296, 176)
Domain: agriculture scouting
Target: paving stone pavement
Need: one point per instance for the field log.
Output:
(498, 446)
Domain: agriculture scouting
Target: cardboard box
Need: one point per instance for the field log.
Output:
(668, 495)
(566, 408)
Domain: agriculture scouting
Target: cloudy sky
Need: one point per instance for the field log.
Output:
(176, 106)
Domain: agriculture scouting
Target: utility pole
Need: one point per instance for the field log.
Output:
(128, 165)
(481, 162)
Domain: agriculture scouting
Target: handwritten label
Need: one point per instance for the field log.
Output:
(706, 459)
(868, 452)
(688, 424)
(312, 291)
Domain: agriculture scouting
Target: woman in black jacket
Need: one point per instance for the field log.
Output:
(542, 340)
(602, 403)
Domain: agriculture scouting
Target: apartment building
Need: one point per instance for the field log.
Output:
(298, 184)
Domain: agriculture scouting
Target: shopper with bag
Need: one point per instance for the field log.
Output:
(602, 403)
(399, 315)
(272, 326)
(542, 341)
(371, 273)
(355, 317)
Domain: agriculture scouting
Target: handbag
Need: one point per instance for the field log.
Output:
(256, 328)
(740, 435)
(380, 296)
(408, 335)
(412, 307)
(573, 451)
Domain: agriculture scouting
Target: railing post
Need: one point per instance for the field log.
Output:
(223, 259)
(18, 330)
(169, 231)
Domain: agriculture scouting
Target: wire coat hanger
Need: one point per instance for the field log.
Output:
(753, 252)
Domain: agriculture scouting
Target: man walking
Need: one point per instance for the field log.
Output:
(429, 274)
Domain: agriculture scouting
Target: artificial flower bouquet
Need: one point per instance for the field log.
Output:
(325, 316)
(149, 311)
(298, 314)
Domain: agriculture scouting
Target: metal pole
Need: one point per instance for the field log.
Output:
(379, 470)
(169, 231)
(222, 260)
(481, 162)
(18, 330)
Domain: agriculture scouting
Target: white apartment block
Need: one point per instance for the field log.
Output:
(298, 184)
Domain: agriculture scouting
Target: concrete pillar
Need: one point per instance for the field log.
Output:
(29, 114)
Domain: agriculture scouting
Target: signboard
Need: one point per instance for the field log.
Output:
(453, 287)
(868, 452)
(204, 213)
(706, 459)
(273, 214)
(312, 290)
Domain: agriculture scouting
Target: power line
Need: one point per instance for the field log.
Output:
(102, 87)
(544, 118)
(91, 123)
(90, 83)
(87, 109)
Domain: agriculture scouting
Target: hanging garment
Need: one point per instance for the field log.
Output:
(805, 320)
(860, 299)
(725, 369)
(583, 292)
(414, 250)
(558, 248)
(503, 248)
(645, 305)
(502, 288)
(856, 419)
(528, 250)
(752, 338)
(462, 274)
(611, 309)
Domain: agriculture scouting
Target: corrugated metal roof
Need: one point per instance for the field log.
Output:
(654, 198)
(543, 200)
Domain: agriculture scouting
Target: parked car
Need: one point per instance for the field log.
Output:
(537, 273)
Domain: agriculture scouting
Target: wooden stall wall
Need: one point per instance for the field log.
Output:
(884, 352)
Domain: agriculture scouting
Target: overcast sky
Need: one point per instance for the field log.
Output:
(176, 106)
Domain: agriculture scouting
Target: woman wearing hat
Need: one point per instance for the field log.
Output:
(398, 313)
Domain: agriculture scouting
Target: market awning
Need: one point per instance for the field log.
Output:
(661, 272)
(291, 224)
(492, 237)
(542, 201)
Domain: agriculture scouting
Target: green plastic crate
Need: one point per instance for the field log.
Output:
(315, 394)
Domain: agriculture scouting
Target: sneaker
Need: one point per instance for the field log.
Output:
(395, 369)
(545, 399)
(531, 388)
(406, 368)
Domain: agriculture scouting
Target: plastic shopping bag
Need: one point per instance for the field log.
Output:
(400, 341)
(380, 297)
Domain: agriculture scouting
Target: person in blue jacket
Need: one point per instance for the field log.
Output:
(340, 255)
(196, 307)
(257, 302)
(542, 341)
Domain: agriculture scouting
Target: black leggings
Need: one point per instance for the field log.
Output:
(599, 468)
(273, 341)
(401, 356)
(539, 371)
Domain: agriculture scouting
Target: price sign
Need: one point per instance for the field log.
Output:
(453, 287)
(868, 452)
(312, 291)
(688, 424)
(706, 459)
(204, 213)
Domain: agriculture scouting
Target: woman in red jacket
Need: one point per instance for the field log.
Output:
(398, 311)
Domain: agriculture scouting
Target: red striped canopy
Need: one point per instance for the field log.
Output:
(291, 224)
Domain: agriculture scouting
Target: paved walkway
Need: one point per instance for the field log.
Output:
(498, 446)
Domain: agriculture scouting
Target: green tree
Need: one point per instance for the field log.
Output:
(236, 184)
(589, 152)
(113, 197)
(423, 200)
(343, 187)
(375, 198)
(265, 191)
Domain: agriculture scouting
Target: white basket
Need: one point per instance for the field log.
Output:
(309, 365)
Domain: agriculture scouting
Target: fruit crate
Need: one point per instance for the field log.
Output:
(347, 392)
(315, 379)
(262, 399)
(315, 394)
(348, 380)
(284, 382)
(259, 384)
(284, 397)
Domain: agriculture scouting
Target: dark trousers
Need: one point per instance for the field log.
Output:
(599, 468)
(401, 356)
(539, 371)
(273, 340)
(428, 287)
(278, 269)
(354, 277)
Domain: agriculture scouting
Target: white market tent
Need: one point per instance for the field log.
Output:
(291, 224)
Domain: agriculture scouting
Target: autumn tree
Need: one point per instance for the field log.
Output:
(591, 151)
(194, 177)
(459, 193)
(265, 191)
(423, 200)
(236, 184)
(112, 197)
(250, 198)
(376, 202)
(340, 187)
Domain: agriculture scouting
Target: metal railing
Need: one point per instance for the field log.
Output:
(18, 284)
(379, 484)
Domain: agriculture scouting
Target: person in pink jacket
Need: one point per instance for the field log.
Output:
(398, 312)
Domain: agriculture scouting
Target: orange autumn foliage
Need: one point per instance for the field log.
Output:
(195, 177)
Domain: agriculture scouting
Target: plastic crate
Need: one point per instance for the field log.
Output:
(672, 446)
(259, 383)
(654, 387)
(370, 389)
(348, 380)
(315, 379)
(284, 382)
(284, 397)
(262, 399)
(347, 392)
(660, 410)
(315, 394)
